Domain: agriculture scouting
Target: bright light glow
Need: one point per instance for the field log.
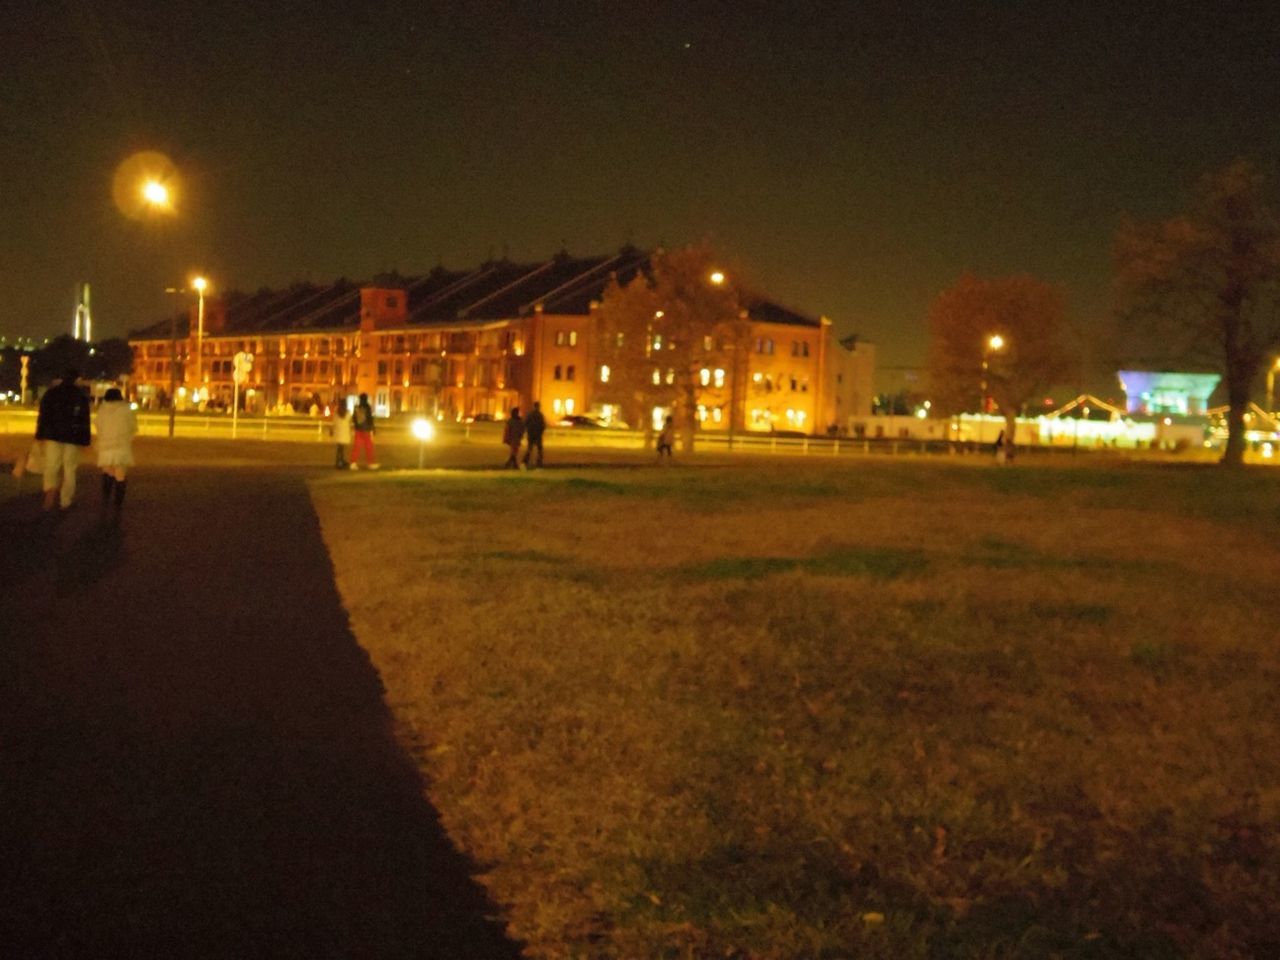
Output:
(423, 429)
(604, 373)
(200, 284)
(658, 315)
(557, 405)
(716, 277)
(568, 406)
(704, 376)
(1268, 451)
(757, 377)
(922, 413)
(155, 193)
(996, 342)
(719, 378)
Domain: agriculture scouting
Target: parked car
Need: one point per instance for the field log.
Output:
(579, 420)
(480, 418)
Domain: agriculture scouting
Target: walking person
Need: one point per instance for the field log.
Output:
(667, 438)
(117, 426)
(340, 428)
(535, 425)
(512, 434)
(63, 425)
(362, 426)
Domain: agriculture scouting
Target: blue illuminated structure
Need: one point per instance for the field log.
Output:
(1182, 394)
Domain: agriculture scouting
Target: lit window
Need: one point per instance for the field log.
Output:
(559, 338)
(707, 342)
(568, 406)
(657, 376)
(573, 338)
(704, 376)
(604, 373)
(719, 378)
(671, 375)
(557, 406)
(657, 341)
(717, 414)
(702, 413)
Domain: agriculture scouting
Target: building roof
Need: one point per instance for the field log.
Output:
(497, 290)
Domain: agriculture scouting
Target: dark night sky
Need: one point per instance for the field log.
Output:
(849, 158)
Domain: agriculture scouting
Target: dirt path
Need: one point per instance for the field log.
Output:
(195, 758)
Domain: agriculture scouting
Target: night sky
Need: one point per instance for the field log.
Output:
(847, 158)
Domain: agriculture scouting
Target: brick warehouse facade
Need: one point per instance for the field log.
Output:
(457, 344)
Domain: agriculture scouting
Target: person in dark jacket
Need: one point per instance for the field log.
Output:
(63, 426)
(535, 425)
(512, 434)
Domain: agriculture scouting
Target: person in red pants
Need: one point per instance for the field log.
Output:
(362, 427)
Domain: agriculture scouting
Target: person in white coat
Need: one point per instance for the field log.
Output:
(117, 425)
(341, 430)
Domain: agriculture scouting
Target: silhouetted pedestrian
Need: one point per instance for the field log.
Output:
(512, 434)
(667, 438)
(63, 425)
(116, 428)
(535, 425)
(362, 426)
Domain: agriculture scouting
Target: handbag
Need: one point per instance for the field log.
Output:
(35, 459)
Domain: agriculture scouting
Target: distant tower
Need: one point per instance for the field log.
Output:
(82, 313)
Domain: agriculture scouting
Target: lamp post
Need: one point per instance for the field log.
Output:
(200, 284)
(157, 200)
(993, 344)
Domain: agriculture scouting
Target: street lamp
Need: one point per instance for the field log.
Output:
(993, 344)
(423, 430)
(200, 284)
(717, 277)
(157, 199)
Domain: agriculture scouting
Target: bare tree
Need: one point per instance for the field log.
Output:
(1000, 338)
(1205, 286)
(675, 335)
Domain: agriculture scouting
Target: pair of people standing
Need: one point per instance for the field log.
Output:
(356, 430)
(62, 429)
(517, 429)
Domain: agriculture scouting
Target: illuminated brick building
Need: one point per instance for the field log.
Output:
(477, 343)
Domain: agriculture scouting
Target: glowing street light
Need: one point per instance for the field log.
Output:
(717, 277)
(200, 284)
(994, 344)
(157, 199)
(156, 195)
(423, 430)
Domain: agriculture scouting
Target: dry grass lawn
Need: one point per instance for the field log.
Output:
(852, 710)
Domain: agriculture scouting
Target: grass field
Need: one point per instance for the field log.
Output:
(855, 710)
